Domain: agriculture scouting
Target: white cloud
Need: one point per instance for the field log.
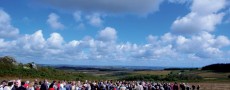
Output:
(73, 43)
(180, 1)
(95, 19)
(112, 6)
(53, 21)
(222, 41)
(168, 48)
(181, 40)
(152, 39)
(204, 16)
(6, 29)
(34, 41)
(5, 45)
(203, 45)
(77, 16)
(195, 23)
(108, 34)
(208, 6)
(55, 40)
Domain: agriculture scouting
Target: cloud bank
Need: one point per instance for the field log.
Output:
(107, 6)
(6, 29)
(205, 15)
(168, 48)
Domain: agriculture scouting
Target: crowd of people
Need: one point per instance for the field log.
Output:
(94, 85)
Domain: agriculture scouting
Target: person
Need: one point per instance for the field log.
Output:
(44, 85)
(139, 86)
(62, 87)
(122, 87)
(26, 85)
(36, 82)
(9, 86)
(22, 86)
(18, 82)
(3, 84)
(198, 87)
(68, 86)
(73, 85)
(187, 87)
(37, 87)
(94, 86)
(58, 85)
(182, 86)
(175, 86)
(193, 87)
(31, 86)
(51, 87)
(15, 86)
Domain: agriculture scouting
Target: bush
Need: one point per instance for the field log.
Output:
(142, 77)
(182, 76)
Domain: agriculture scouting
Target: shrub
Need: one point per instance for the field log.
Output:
(142, 77)
(182, 76)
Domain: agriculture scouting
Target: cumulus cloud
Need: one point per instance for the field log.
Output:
(95, 19)
(112, 6)
(55, 40)
(6, 29)
(31, 42)
(204, 45)
(195, 23)
(167, 48)
(204, 16)
(208, 6)
(53, 21)
(108, 34)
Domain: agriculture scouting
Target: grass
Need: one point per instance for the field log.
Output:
(212, 86)
(160, 72)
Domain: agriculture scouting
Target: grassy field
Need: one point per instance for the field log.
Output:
(212, 86)
(212, 80)
(207, 75)
(160, 72)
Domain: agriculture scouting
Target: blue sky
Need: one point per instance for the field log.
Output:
(182, 33)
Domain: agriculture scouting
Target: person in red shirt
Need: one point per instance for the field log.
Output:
(26, 85)
(58, 85)
(51, 87)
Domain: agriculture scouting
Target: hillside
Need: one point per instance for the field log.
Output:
(218, 67)
(9, 67)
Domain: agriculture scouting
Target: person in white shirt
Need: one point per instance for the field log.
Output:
(122, 87)
(8, 87)
(139, 86)
(3, 84)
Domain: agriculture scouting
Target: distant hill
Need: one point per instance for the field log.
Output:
(181, 68)
(218, 67)
(9, 67)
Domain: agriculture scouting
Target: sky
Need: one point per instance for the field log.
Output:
(176, 33)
